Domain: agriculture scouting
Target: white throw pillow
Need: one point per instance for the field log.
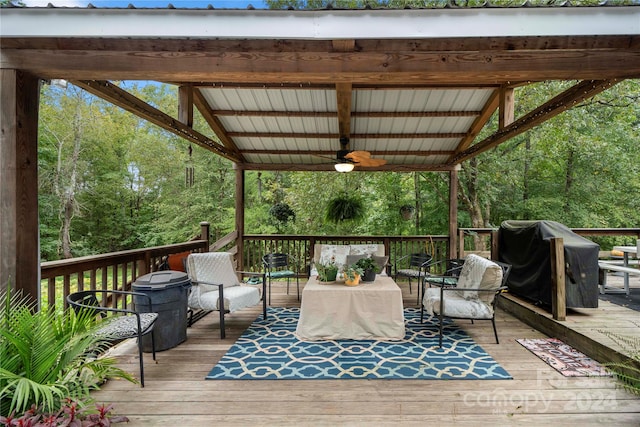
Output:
(336, 252)
(366, 249)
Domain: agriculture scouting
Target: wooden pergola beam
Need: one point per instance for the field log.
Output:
(375, 114)
(332, 152)
(507, 107)
(564, 101)
(130, 103)
(289, 167)
(488, 110)
(216, 126)
(425, 135)
(185, 105)
(343, 101)
(450, 68)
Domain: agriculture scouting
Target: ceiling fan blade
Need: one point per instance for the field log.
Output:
(363, 158)
(372, 162)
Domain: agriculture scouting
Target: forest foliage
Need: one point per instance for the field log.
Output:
(109, 181)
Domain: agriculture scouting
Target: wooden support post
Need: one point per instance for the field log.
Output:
(507, 107)
(185, 105)
(143, 266)
(558, 294)
(19, 232)
(205, 233)
(240, 184)
(494, 245)
(453, 212)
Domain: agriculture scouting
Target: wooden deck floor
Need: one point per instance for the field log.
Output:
(176, 393)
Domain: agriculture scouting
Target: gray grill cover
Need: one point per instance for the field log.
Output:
(526, 246)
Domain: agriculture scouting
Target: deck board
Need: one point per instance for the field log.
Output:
(177, 394)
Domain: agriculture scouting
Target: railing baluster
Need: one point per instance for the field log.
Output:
(51, 292)
(92, 280)
(114, 283)
(66, 288)
(105, 278)
(134, 263)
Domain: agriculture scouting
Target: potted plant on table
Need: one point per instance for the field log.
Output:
(327, 272)
(352, 274)
(369, 268)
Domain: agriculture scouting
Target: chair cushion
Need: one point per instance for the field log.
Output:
(122, 327)
(410, 273)
(212, 267)
(235, 298)
(456, 305)
(479, 272)
(448, 280)
(281, 273)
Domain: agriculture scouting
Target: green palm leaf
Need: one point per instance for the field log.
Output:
(47, 356)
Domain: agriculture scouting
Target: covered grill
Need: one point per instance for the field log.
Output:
(526, 246)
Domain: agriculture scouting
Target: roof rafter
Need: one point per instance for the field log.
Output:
(425, 135)
(332, 153)
(562, 102)
(128, 102)
(216, 126)
(329, 167)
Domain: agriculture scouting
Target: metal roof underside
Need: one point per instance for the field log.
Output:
(412, 126)
(280, 88)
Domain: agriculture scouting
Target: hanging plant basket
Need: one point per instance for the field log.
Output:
(407, 211)
(345, 207)
(282, 212)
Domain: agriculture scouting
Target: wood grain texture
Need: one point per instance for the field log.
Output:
(177, 394)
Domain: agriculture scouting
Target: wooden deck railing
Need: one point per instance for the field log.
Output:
(118, 270)
(301, 247)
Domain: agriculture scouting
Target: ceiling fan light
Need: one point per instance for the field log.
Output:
(344, 167)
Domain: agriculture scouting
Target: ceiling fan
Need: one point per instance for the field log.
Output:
(347, 159)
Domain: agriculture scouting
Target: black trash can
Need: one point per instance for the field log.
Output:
(168, 291)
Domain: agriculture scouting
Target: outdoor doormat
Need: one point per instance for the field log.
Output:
(564, 358)
(270, 350)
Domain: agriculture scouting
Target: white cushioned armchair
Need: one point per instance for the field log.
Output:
(472, 298)
(214, 279)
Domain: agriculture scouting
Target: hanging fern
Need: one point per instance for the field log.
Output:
(282, 212)
(345, 207)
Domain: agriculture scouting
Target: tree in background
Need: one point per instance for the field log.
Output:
(66, 129)
(579, 168)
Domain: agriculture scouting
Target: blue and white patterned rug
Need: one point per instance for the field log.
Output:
(270, 350)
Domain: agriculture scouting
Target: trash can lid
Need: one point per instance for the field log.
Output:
(161, 280)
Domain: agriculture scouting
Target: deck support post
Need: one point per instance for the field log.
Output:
(453, 212)
(205, 233)
(240, 184)
(494, 246)
(558, 293)
(19, 232)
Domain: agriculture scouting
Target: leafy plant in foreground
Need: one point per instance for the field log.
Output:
(71, 414)
(47, 356)
(627, 373)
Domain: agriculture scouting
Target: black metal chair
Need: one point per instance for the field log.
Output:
(449, 276)
(124, 323)
(278, 266)
(417, 268)
(475, 299)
